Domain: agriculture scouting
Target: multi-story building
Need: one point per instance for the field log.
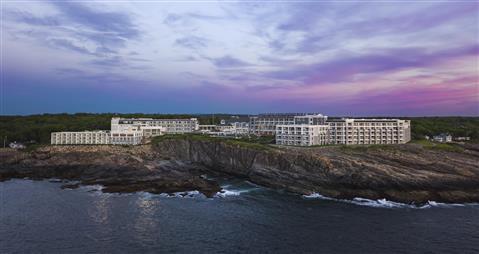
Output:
(81, 138)
(302, 134)
(225, 129)
(349, 131)
(126, 131)
(170, 126)
(265, 124)
(240, 128)
(130, 137)
(344, 131)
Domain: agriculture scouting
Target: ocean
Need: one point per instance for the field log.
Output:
(40, 217)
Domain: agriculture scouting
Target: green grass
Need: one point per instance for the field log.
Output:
(33, 147)
(253, 143)
(448, 147)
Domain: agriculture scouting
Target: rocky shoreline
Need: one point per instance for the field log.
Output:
(404, 173)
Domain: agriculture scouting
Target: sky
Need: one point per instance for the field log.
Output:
(375, 58)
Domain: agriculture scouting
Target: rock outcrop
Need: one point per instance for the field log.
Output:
(406, 173)
(118, 169)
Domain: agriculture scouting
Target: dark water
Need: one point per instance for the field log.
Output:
(39, 217)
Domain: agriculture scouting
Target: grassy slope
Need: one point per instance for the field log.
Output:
(253, 143)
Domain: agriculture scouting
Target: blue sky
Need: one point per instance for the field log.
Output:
(339, 58)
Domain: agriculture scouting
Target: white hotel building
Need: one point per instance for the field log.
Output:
(344, 131)
(369, 131)
(126, 131)
(81, 137)
(168, 126)
(265, 124)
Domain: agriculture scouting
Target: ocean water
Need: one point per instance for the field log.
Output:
(39, 217)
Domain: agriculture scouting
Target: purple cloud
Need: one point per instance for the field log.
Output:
(191, 42)
(228, 62)
(346, 68)
(115, 23)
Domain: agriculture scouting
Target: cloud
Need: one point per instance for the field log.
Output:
(191, 42)
(292, 55)
(109, 23)
(67, 44)
(109, 61)
(323, 29)
(172, 19)
(228, 62)
(454, 95)
(346, 67)
(28, 18)
(79, 25)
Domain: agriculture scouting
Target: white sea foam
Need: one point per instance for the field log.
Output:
(317, 196)
(224, 193)
(384, 203)
(187, 194)
(91, 188)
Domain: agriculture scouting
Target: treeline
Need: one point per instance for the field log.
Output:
(456, 126)
(38, 127)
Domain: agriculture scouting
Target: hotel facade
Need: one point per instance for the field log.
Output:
(126, 131)
(369, 131)
(265, 124)
(167, 126)
(80, 138)
(345, 131)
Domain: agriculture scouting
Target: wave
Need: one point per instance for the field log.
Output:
(184, 194)
(91, 188)
(225, 193)
(384, 203)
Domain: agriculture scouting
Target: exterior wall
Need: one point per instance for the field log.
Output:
(171, 126)
(311, 119)
(241, 128)
(346, 132)
(265, 124)
(369, 131)
(80, 138)
(207, 127)
(233, 129)
(302, 134)
(127, 137)
(153, 131)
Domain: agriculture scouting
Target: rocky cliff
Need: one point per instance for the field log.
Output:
(405, 173)
(117, 168)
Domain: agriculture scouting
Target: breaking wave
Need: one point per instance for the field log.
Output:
(225, 193)
(183, 194)
(384, 203)
(229, 190)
